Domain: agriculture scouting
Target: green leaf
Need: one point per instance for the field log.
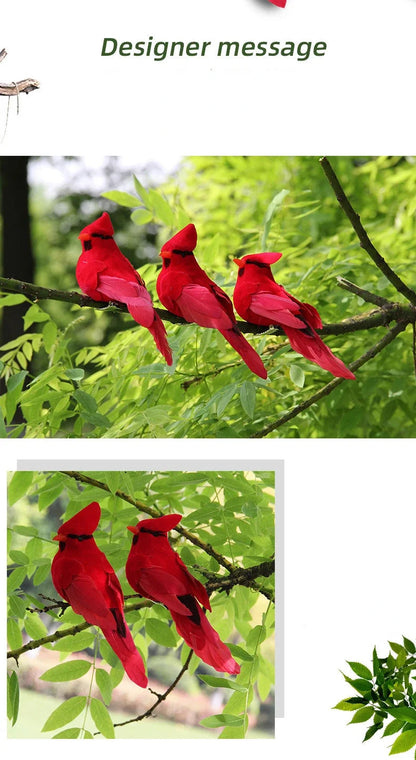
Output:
(346, 705)
(363, 714)
(34, 626)
(123, 199)
(104, 684)
(16, 578)
(102, 719)
(372, 730)
(141, 216)
(404, 742)
(66, 712)
(360, 670)
(275, 204)
(223, 683)
(403, 713)
(19, 485)
(160, 632)
(85, 400)
(393, 727)
(25, 530)
(360, 684)
(140, 190)
(239, 652)
(12, 697)
(297, 375)
(68, 733)
(225, 719)
(66, 671)
(76, 643)
(75, 374)
(12, 300)
(248, 398)
(15, 381)
(411, 648)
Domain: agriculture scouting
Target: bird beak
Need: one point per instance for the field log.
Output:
(84, 236)
(132, 528)
(58, 537)
(238, 262)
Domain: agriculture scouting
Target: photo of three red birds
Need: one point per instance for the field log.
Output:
(184, 289)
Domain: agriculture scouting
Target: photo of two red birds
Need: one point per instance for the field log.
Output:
(184, 289)
(83, 576)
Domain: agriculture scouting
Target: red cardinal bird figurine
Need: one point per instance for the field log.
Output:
(185, 290)
(260, 300)
(157, 572)
(103, 273)
(83, 576)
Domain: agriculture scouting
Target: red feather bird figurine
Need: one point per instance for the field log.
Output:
(103, 273)
(259, 299)
(83, 576)
(187, 291)
(157, 572)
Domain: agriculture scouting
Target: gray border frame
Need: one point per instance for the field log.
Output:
(276, 465)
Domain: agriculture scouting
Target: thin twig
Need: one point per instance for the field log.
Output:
(362, 235)
(327, 389)
(160, 697)
(364, 294)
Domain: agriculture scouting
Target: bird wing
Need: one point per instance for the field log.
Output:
(165, 587)
(137, 299)
(201, 304)
(276, 308)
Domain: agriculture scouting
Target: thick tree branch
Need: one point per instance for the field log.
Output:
(327, 389)
(362, 235)
(362, 322)
(241, 576)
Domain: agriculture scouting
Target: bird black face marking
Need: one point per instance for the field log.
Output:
(184, 253)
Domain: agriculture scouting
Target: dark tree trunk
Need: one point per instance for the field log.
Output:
(17, 253)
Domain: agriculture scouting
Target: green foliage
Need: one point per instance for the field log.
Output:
(232, 512)
(386, 692)
(97, 374)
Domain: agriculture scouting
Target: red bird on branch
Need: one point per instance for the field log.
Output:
(103, 273)
(185, 290)
(83, 576)
(157, 572)
(260, 300)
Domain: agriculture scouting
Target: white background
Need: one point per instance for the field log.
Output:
(359, 98)
(349, 505)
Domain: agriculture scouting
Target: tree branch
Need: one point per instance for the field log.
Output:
(395, 311)
(15, 88)
(239, 576)
(327, 389)
(71, 631)
(81, 478)
(160, 697)
(362, 235)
